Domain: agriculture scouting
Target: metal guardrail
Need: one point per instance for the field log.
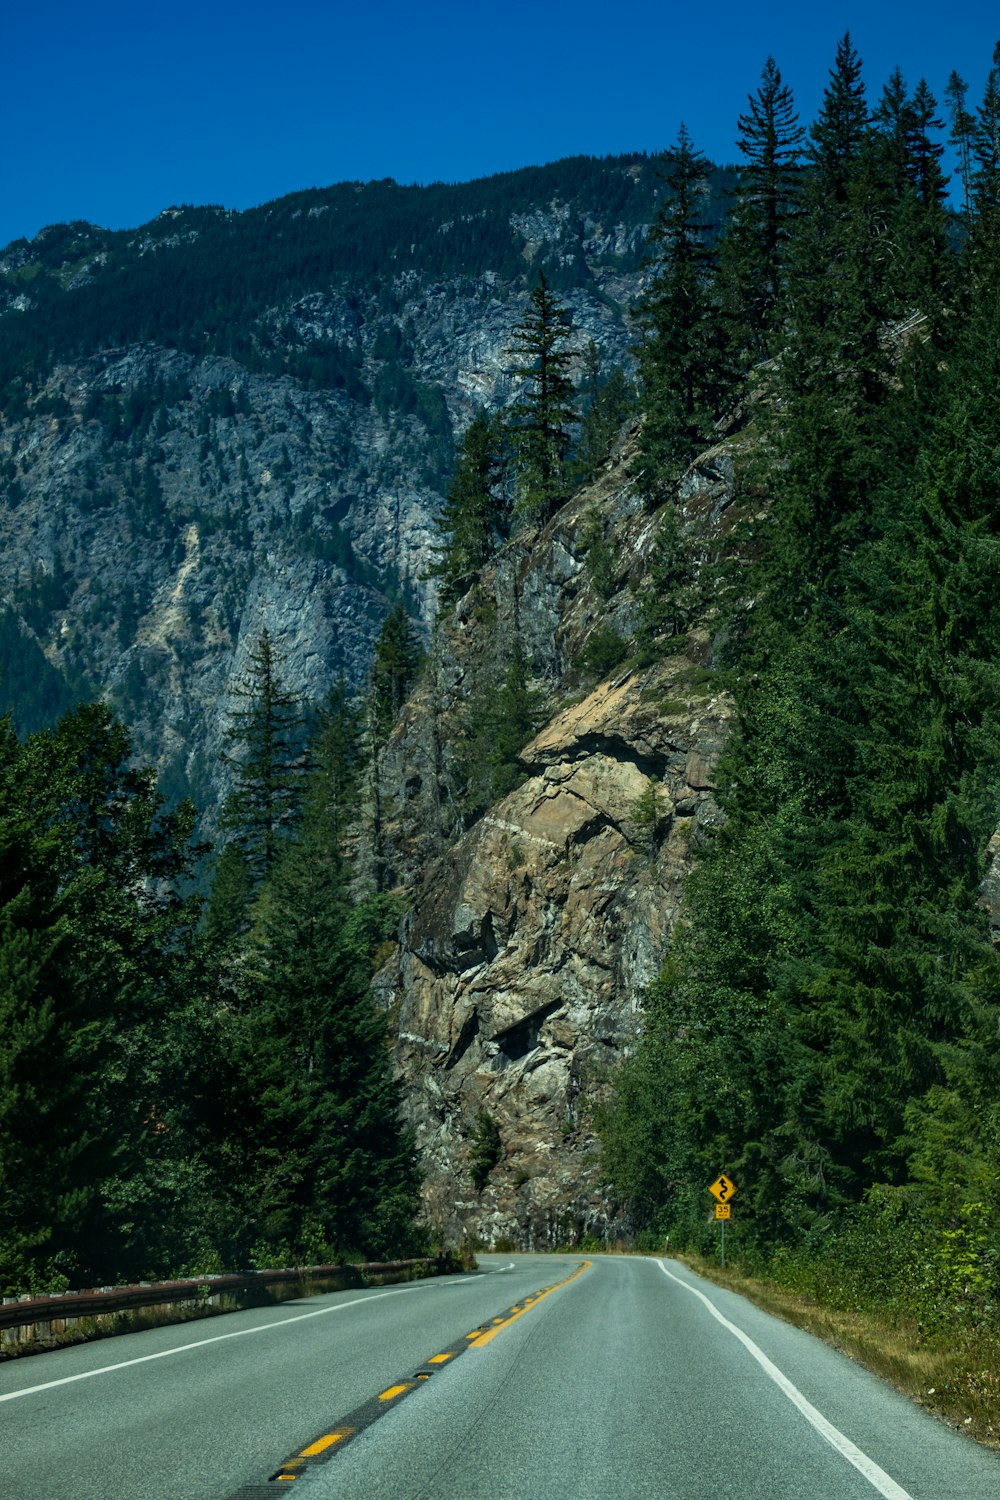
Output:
(17, 1311)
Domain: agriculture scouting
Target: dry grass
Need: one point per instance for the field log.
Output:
(956, 1377)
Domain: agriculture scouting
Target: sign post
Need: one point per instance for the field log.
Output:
(722, 1189)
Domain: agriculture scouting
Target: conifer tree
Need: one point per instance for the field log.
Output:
(333, 1170)
(607, 405)
(669, 595)
(265, 750)
(474, 516)
(395, 665)
(904, 169)
(681, 357)
(766, 202)
(962, 126)
(501, 719)
(94, 1043)
(546, 411)
(986, 165)
(837, 136)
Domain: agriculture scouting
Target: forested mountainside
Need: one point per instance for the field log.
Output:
(221, 421)
(667, 847)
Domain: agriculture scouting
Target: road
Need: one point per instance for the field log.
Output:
(542, 1378)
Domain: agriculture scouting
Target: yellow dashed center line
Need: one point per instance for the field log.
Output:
(321, 1445)
(293, 1468)
(500, 1323)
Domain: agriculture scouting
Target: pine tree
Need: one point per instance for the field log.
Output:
(766, 203)
(962, 126)
(500, 720)
(668, 599)
(607, 405)
(337, 773)
(394, 670)
(474, 516)
(330, 1169)
(986, 166)
(546, 412)
(265, 751)
(681, 357)
(924, 153)
(904, 168)
(838, 133)
(94, 995)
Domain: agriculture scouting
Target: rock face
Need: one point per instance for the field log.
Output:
(161, 501)
(518, 979)
(528, 948)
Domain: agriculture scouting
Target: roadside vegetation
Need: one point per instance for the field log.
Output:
(824, 1027)
(953, 1372)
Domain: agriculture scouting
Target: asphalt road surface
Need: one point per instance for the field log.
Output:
(542, 1378)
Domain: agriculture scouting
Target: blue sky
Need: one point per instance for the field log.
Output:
(113, 110)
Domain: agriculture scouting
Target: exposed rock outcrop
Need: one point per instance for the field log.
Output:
(529, 946)
(518, 980)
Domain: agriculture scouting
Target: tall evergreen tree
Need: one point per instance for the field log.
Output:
(606, 405)
(904, 168)
(474, 517)
(99, 1151)
(962, 126)
(330, 1170)
(681, 357)
(766, 202)
(394, 670)
(837, 135)
(986, 166)
(265, 748)
(546, 411)
(502, 717)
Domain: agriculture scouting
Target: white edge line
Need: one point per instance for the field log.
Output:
(218, 1338)
(875, 1476)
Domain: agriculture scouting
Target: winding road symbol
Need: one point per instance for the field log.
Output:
(723, 1188)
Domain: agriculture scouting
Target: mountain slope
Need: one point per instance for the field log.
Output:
(225, 421)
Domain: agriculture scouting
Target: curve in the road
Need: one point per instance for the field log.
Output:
(877, 1478)
(345, 1428)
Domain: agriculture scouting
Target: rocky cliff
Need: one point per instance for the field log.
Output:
(518, 979)
(224, 421)
(165, 496)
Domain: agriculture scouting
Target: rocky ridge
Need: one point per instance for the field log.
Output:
(160, 506)
(517, 982)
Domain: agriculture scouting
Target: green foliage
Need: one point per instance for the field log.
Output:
(670, 596)
(486, 1150)
(265, 750)
(682, 356)
(607, 406)
(97, 1040)
(31, 691)
(604, 650)
(754, 246)
(395, 665)
(546, 413)
(598, 557)
(824, 1027)
(315, 1163)
(475, 517)
(649, 816)
(499, 723)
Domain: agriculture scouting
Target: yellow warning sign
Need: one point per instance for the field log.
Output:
(723, 1188)
(723, 1211)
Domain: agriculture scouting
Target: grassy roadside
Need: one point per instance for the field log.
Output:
(956, 1377)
